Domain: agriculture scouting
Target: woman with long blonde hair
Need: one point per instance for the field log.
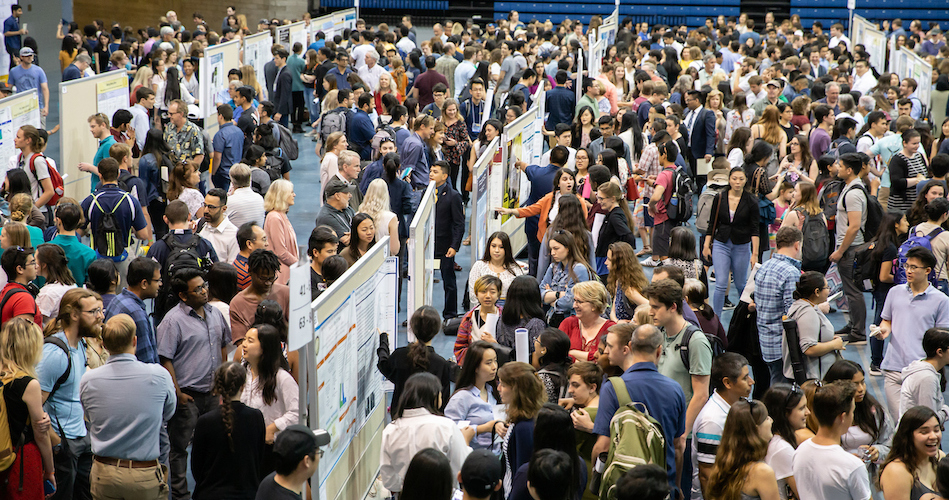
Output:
(249, 78)
(283, 240)
(740, 470)
(804, 203)
(769, 130)
(21, 348)
(376, 204)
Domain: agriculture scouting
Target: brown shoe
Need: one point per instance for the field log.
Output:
(644, 251)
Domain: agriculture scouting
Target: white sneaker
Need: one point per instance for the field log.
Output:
(649, 262)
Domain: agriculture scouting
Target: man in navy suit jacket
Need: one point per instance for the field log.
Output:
(449, 230)
(282, 88)
(701, 125)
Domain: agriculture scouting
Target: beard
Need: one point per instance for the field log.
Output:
(89, 329)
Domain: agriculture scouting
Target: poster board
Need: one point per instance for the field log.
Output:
(909, 65)
(421, 253)
(483, 210)
(257, 55)
(217, 61)
(80, 99)
(540, 101)
(597, 51)
(864, 32)
(16, 111)
(518, 143)
(289, 34)
(326, 24)
(346, 397)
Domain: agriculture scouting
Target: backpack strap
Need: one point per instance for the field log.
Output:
(683, 347)
(58, 342)
(10, 293)
(622, 394)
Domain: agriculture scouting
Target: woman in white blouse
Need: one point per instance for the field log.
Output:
(498, 260)
(419, 425)
(270, 388)
(335, 144)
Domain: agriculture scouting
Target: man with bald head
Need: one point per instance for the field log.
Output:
(637, 351)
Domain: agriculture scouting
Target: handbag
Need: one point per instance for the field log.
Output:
(766, 211)
(632, 189)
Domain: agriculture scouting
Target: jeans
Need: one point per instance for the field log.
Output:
(876, 345)
(533, 247)
(776, 369)
(180, 432)
(686, 484)
(855, 301)
(727, 258)
(221, 178)
(73, 463)
(450, 285)
(311, 107)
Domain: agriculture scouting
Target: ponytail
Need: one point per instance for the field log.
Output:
(425, 323)
(391, 163)
(229, 379)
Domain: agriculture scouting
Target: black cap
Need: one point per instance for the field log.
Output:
(480, 473)
(337, 185)
(298, 441)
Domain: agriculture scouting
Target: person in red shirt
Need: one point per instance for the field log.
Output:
(16, 300)
(587, 325)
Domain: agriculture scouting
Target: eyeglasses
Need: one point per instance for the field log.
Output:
(212, 207)
(268, 279)
(913, 268)
(95, 312)
(320, 452)
(202, 286)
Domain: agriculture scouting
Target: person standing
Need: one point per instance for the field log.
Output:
(909, 311)
(64, 353)
(449, 230)
(217, 228)
(127, 403)
(228, 147)
(13, 34)
(99, 127)
(296, 66)
(414, 156)
(296, 455)
(700, 123)
(775, 283)
(263, 266)
(851, 225)
(26, 76)
(192, 342)
(250, 237)
(144, 281)
(282, 92)
(183, 137)
(822, 469)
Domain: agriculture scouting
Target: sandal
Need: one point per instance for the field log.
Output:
(644, 251)
(467, 241)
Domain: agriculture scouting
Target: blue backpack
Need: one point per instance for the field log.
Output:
(914, 240)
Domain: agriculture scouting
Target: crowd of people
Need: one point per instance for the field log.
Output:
(152, 313)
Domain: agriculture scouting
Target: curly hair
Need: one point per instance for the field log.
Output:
(229, 379)
(625, 269)
(528, 391)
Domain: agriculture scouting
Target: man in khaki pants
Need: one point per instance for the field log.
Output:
(127, 403)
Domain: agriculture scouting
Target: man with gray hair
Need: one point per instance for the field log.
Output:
(371, 72)
(446, 65)
(348, 173)
(77, 68)
(710, 68)
(244, 205)
(637, 351)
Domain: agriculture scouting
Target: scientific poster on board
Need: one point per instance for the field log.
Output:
(112, 94)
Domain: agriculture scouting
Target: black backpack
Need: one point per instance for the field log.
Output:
(874, 211)
(183, 255)
(273, 164)
(718, 346)
(108, 239)
(817, 244)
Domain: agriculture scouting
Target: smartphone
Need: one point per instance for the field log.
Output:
(48, 488)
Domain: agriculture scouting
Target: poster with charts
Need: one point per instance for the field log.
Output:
(7, 134)
(218, 80)
(112, 95)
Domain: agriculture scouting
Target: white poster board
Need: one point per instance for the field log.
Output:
(517, 142)
(112, 94)
(346, 397)
(421, 253)
(257, 55)
(16, 111)
(864, 32)
(483, 210)
(909, 65)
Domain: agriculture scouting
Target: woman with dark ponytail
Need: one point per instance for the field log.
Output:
(818, 343)
(400, 193)
(228, 441)
(270, 388)
(419, 356)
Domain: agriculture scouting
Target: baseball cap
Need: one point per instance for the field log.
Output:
(480, 473)
(337, 185)
(298, 441)
(264, 21)
(26, 51)
(5, 87)
(775, 83)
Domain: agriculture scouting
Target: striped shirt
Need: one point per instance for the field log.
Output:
(243, 272)
(706, 436)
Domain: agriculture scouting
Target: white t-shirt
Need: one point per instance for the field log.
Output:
(829, 473)
(706, 436)
(781, 457)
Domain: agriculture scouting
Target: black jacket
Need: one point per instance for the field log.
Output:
(283, 91)
(397, 368)
(220, 472)
(449, 219)
(743, 227)
(615, 228)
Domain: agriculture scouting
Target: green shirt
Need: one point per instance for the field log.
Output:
(78, 255)
(296, 65)
(588, 101)
(700, 360)
(101, 154)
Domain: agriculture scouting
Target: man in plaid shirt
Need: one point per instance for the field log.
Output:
(775, 282)
(144, 280)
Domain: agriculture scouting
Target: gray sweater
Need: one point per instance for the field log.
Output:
(921, 388)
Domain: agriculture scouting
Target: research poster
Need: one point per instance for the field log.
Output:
(16, 111)
(349, 385)
(112, 95)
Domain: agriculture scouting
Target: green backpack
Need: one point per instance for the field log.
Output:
(636, 438)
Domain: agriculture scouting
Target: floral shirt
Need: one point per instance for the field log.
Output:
(186, 143)
(459, 132)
